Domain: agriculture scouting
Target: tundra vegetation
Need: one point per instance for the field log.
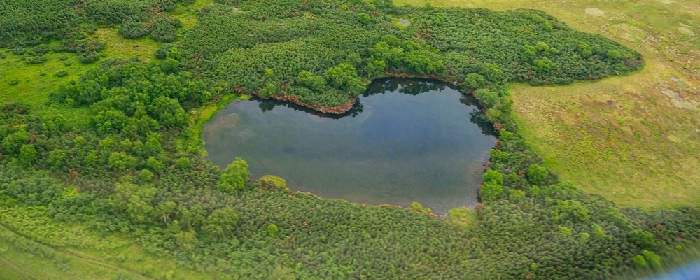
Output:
(125, 187)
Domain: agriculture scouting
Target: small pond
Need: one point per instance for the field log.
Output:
(403, 141)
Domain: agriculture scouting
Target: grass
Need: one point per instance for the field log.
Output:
(22, 258)
(36, 81)
(461, 217)
(32, 246)
(634, 139)
(31, 84)
(187, 14)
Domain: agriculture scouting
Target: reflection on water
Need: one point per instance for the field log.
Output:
(404, 141)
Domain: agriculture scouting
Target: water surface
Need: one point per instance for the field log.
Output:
(404, 141)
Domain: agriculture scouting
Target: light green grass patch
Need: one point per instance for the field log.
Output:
(77, 251)
(23, 258)
(118, 47)
(188, 14)
(34, 83)
(31, 84)
(461, 217)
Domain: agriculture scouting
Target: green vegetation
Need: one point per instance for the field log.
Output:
(317, 56)
(132, 172)
(632, 139)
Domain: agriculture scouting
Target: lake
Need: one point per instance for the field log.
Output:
(404, 140)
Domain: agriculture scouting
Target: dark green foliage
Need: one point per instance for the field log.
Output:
(35, 59)
(474, 81)
(34, 22)
(162, 52)
(19, 51)
(35, 190)
(133, 30)
(61, 74)
(13, 142)
(537, 174)
(483, 48)
(643, 239)
(27, 154)
(165, 29)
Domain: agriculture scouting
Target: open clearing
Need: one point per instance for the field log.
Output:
(635, 139)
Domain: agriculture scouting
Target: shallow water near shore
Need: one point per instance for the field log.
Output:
(405, 140)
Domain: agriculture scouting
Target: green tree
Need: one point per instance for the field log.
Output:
(186, 240)
(269, 90)
(27, 154)
(146, 175)
(221, 222)
(13, 142)
(529, 53)
(234, 177)
(516, 195)
(585, 50)
(153, 147)
(154, 164)
(541, 46)
(363, 18)
(537, 175)
(273, 231)
(474, 81)
(56, 159)
(165, 210)
(375, 68)
(641, 238)
(542, 65)
(491, 191)
(120, 161)
(183, 163)
(492, 176)
(570, 210)
(613, 55)
(492, 72)
(344, 77)
(311, 81)
(168, 112)
(135, 201)
(488, 98)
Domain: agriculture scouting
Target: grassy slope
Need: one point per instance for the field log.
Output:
(71, 252)
(22, 258)
(634, 139)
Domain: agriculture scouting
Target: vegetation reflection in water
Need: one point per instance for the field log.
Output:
(404, 141)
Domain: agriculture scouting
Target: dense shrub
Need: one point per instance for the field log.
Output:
(133, 30)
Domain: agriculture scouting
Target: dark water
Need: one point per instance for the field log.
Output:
(405, 140)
